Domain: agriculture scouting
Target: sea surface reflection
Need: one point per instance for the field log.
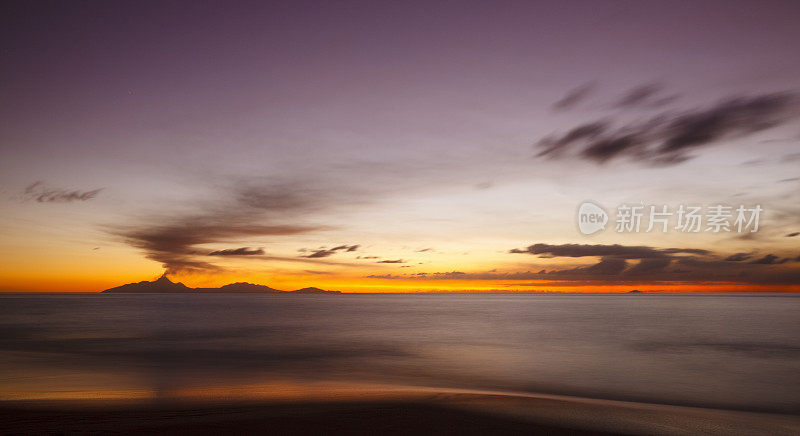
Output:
(731, 351)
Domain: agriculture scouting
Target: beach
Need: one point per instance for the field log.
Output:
(380, 412)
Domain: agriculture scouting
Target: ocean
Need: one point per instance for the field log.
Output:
(733, 351)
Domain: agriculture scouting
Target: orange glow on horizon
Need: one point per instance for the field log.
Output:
(349, 284)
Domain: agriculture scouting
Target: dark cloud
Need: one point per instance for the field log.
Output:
(620, 263)
(648, 266)
(556, 145)
(735, 116)
(174, 244)
(616, 251)
(392, 261)
(635, 266)
(668, 139)
(607, 266)
(243, 251)
(38, 192)
(793, 234)
(769, 259)
(575, 96)
(648, 95)
(329, 252)
(242, 210)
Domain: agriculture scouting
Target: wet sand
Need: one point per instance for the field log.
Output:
(420, 412)
(268, 418)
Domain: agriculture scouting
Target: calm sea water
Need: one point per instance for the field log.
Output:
(732, 351)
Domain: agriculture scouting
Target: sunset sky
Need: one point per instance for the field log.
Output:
(396, 146)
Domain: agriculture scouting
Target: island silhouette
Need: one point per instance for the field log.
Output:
(166, 286)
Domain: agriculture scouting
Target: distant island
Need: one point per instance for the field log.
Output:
(166, 286)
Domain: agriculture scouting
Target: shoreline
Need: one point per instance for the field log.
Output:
(388, 410)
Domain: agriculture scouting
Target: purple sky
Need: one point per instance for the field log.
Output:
(393, 126)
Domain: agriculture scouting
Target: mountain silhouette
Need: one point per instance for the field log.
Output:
(164, 285)
(240, 287)
(314, 291)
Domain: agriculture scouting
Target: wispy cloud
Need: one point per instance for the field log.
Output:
(575, 96)
(243, 251)
(739, 257)
(243, 210)
(669, 138)
(39, 192)
(322, 252)
(616, 250)
(769, 259)
(649, 95)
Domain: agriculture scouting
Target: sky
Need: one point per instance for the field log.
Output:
(397, 146)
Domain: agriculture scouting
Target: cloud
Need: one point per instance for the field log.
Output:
(619, 263)
(451, 274)
(652, 265)
(648, 95)
(329, 252)
(38, 192)
(242, 210)
(738, 257)
(556, 145)
(391, 261)
(606, 266)
(174, 244)
(243, 251)
(616, 250)
(769, 259)
(793, 234)
(613, 258)
(668, 139)
(575, 96)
